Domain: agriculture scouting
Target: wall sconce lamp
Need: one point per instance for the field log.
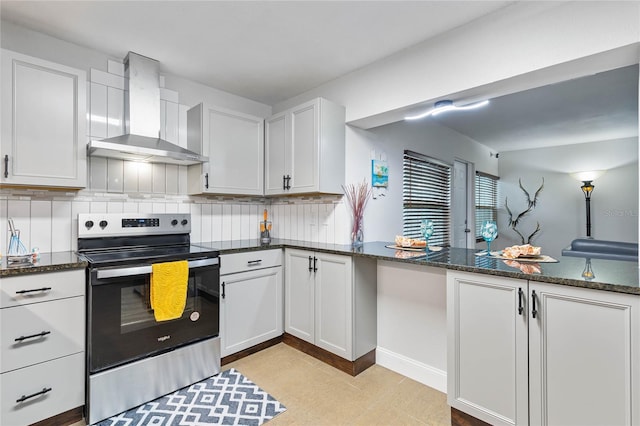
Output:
(587, 179)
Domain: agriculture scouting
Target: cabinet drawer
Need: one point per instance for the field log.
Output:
(32, 288)
(242, 262)
(64, 376)
(52, 330)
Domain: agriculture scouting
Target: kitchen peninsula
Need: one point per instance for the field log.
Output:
(471, 290)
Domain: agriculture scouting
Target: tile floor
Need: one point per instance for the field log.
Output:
(318, 394)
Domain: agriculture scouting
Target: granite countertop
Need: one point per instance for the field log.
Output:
(609, 275)
(48, 262)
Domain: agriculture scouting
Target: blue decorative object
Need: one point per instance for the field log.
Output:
(426, 229)
(489, 232)
(379, 174)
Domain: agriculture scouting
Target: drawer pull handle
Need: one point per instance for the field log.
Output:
(42, 334)
(254, 262)
(534, 312)
(33, 290)
(223, 289)
(6, 166)
(23, 398)
(310, 267)
(315, 264)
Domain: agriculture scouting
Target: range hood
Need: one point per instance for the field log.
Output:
(142, 121)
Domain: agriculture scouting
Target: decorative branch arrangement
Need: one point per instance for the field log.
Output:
(531, 204)
(357, 196)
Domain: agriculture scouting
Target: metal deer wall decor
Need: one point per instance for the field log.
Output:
(515, 219)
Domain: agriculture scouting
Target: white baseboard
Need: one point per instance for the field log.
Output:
(418, 371)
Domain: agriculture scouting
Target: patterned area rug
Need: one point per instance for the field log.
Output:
(226, 399)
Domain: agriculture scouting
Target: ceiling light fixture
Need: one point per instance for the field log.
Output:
(446, 105)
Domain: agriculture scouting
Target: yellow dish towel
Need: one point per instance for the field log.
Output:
(169, 289)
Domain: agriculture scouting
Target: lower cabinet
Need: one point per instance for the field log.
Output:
(523, 352)
(251, 299)
(42, 318)
(330, 301)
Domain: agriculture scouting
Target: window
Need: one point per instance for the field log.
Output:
(426, 194)
(486, 200)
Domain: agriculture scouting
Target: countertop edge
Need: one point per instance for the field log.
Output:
(70, 260)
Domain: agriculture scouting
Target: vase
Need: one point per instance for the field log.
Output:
(357, 238)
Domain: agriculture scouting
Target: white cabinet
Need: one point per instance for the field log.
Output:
(330, 301)
(487, 347)
(305, 149)
(584, 355)
(251, 299)
(43, 123)
(42, 319)
(533, 353)
(234, 143)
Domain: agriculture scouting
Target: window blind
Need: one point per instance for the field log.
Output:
(426, 194)
(486, 188)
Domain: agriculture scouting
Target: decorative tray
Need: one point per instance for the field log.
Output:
(431, 248)
(19, 258)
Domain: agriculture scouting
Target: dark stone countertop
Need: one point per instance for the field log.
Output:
(609, 275)
(49, 262)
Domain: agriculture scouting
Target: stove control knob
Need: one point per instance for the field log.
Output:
(103, 224)
(174, 222)
(89, 224)
(184, 222)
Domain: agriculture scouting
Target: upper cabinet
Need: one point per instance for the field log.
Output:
(305, 149)
(43, 123)
(234, 143)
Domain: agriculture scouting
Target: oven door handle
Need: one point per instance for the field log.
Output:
(145, 270)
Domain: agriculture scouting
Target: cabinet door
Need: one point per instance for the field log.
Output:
(584, 356)
(43, 123)
(277, 151)
(299, 294)
(304, 147)
(487, 347)
(334, 304)
(234, 144)
(251, 308)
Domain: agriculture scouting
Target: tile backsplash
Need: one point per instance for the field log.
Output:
(48, 219)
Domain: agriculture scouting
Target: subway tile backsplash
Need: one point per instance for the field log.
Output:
(48, 219)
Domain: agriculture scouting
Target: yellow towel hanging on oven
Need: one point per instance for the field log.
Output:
(169, 289)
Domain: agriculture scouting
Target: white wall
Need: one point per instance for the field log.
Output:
(383, 216)
(412, 322)
(561, 208)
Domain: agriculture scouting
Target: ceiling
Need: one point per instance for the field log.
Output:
(270, 51)
(599, 107)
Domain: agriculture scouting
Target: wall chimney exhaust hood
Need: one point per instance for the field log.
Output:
(142, 121)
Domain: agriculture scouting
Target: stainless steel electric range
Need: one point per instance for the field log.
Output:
(131, 357)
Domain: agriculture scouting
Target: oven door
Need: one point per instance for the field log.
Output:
(122, 327)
